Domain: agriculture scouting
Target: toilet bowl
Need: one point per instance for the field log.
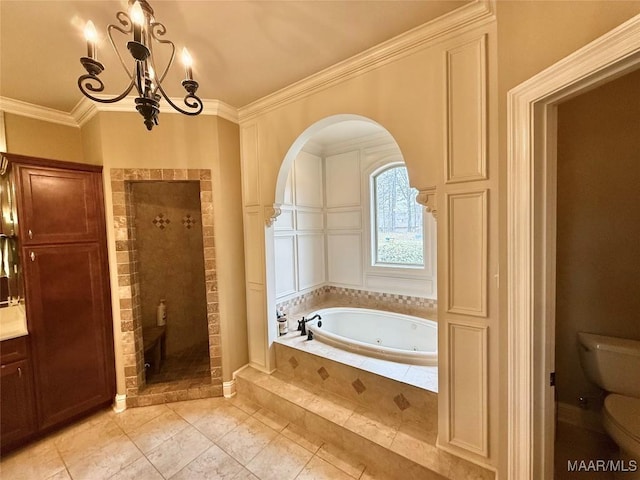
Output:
(621, 420)
(614, 365)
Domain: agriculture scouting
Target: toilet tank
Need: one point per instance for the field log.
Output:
(611, 363)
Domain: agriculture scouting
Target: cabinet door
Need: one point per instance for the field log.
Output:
(59, 205)
(17, 411)
(71, 329)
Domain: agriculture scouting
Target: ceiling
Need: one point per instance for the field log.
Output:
(242, 50)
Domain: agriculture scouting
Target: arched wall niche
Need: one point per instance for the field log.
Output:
(437, 100)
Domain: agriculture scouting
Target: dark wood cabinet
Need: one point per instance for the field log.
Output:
(58, 205)
(69, 336)
(69, 358)
(17, 409)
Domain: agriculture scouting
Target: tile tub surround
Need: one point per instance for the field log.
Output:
(129, 288)
(331, 296)
(385, 387)
(399, 449)
(212, 438)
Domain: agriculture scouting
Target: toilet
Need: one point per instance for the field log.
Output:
(614, 365)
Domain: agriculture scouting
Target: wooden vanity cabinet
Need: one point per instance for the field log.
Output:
(17, 408)
(62, 235)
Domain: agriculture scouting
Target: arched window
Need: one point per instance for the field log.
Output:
(397, 235)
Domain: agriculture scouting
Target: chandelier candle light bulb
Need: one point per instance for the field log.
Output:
(188, 63)
(137, 17)
(91, 36)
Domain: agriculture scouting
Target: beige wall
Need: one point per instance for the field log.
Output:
(37, 138)
(190, 142)
(227, 205)
(598, 224)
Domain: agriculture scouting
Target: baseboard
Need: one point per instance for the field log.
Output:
(229, 388)
(579, 417)
(120, 403)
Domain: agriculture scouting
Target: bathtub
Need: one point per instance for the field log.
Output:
(375, 333)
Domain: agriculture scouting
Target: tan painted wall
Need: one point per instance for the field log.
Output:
(227, 206)
(37, 138)
(193, 142)
(598, 224)
(531, 37)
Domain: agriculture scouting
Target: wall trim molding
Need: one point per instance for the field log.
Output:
(24, 109)
(386, 52)
(85, 110)
(580, 417)
(120, 403)
(530, 320)
(229, 389)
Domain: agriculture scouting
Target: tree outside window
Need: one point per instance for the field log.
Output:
(398, 219)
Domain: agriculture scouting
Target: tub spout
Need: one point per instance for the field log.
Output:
(302, 324)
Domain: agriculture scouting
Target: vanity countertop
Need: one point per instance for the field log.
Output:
(13, 322)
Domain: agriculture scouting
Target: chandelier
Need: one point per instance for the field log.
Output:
(144, 76)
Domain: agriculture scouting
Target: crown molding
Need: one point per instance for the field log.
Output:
(85, 109)
(374, 57)
(24, 109)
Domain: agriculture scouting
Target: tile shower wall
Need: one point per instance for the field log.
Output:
(171, 265)
(129, 286)
(338, 296)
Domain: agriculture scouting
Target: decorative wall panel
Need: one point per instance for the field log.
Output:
(467, 253)
(343, 179)
(254, 257)
(311, 271)
(468, 407)
(466, 112)
(345, 259)
(344, 220)
(250, 166)
(284, 220)
(306, 220)
(285, 261)
(308, 180)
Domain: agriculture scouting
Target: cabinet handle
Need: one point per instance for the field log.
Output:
(33, 257)
(30, 233)
(19, 372)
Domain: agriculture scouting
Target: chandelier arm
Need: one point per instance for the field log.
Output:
(90, 88)
(191, 100)
(158, 30)
(126, 22)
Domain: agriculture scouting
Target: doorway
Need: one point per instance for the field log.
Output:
(138, 391)
(531, 233)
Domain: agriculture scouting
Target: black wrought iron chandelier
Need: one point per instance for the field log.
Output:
(140, 23)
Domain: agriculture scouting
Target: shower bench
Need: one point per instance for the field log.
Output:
(154, 341)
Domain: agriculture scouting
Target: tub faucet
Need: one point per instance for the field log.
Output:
(302, 324)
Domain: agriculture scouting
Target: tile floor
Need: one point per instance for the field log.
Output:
(575, 443)
(190, 364)
(213, 438)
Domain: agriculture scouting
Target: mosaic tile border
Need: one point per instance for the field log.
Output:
(129, 286)
(424, 307)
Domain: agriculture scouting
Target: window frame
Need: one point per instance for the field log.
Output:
(372, 267)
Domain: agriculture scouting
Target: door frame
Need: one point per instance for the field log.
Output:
(531, 211)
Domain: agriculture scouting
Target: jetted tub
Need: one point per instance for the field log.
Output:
(386, 335)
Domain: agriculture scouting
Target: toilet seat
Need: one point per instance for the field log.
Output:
(624, 413)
